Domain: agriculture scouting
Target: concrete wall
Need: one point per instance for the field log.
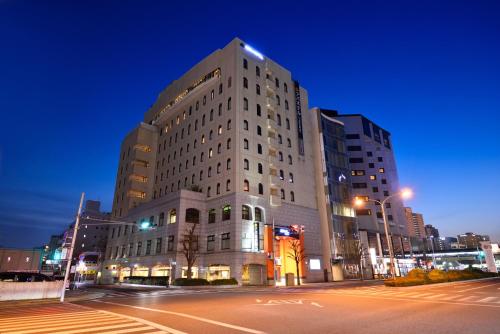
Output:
(30, 290)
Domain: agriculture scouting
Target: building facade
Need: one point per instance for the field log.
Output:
(374, 177)
(227, 149)
(21, 260)
(333, 191)
(472, 240)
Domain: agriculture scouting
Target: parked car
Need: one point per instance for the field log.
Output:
(24, 277)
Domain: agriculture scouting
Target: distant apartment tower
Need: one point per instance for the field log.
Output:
(333, 184)
(472, 240)
(374, 176)
(446, 243)
(227, 147)
(415, 223)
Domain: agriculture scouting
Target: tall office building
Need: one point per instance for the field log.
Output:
(333, 191)
(374, 176)
(472, 240)
(224, 147)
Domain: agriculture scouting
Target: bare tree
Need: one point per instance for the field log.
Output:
(190, 248)
(297, 254)
(358, 254)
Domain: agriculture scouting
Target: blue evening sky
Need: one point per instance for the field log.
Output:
(76, 76)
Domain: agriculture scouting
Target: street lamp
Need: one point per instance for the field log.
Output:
(404, 193)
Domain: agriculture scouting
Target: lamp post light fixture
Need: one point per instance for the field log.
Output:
(405, 194)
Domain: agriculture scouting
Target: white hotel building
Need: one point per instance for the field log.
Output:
(225, 147)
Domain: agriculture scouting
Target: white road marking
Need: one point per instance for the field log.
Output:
(316, 304)
(214, 322)
(479, 287)
(436, 296)
(465, 299)
(486, 300)
(145, 322)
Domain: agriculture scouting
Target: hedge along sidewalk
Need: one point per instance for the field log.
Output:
(205, 287)
(430, 285)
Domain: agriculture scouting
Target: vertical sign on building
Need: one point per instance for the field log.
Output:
(298, 110)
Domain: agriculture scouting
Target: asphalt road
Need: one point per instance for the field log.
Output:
(465, 307)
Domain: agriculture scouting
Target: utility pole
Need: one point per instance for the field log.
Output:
(73, 240)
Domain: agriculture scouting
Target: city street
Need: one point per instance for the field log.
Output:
(465, 307)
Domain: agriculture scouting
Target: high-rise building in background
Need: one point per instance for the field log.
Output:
(333, 189)
(446, 243)
(374, 176)
(226, 148)
(472, 240)
(415, 223)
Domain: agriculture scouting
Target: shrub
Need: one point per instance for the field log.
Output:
(437, 276)
(190, 282)
(225, 281)
(404, 281)
(417, 273)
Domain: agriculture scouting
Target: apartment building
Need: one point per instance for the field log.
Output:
(226, 148)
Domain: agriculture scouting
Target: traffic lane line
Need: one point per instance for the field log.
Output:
(188, 316)
(145, 322)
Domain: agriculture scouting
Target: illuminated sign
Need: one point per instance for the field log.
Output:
(314, 264)
(298, 110)
(286, 232)
(252, 51)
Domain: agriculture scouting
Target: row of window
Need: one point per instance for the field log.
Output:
(368, 212)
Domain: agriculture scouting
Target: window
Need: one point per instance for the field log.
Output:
(217, 189)
(220, 109)
(228, 185)
(245, 125)
(277, 82)
(369, 154)
(371, 165)
(209, 190)
(287, 124)
(170, 243)
(172, 216)
(228, 144)
(388, 205)
(210, 243)
(212, 94)
(373, 177)
(211, 216)
(229, 104)
(363, 212)
(201, 175)
(384, 181)
(229, 82)
(353, 148)
(285, 87)
(246, 164)
(282, 175)
(245, 104)
(161, 219)
(259, 111)
(379, 215)
(246, 186)
(380, 159)
(246, 212)
(245, 144)
(290, 177)
(257, 71)
(245, 82)
(258, 214)
(280, 139)
(219, 130)
(282, 194)
(211, 115)
(359, 185)
(386, 193)
(286, 105)
(148, 247)
(139, 249)
(257, 89)
(356, 160)
(390, 218)
(259, 168)
(261, 189)
(292, 196)
(192, 216)
(228, 164)
(290, 159)
(158, 246)
(219, 148)
(220, 89)
(278, 100)
(289, 142)
(218, 168)
(225, 241)
(229, 124)
(381, 170)
(375, 189)
(259, 130)
(203, 120)
(278, 118)
(357, 172)
(226, 212)
(209, 174)
(245, 64)
(352, 136)
(259, 148)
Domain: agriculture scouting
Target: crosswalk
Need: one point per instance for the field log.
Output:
(73, 319)
(429, 295)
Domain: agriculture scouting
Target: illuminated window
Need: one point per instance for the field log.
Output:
(219, 130)
(357, 172)
(373, 177)
(177, 121)
(246, 185)
(290, 177)
(381, 170)
(246, 212)
(172, 216)
(203, 139)
(210, 153)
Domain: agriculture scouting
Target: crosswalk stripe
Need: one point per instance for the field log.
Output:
(55, 321)
(435, 296)
(24, 330)
(466, 298)
(131, 330)
(85, 330)
(452, 297)
(487, 299)
(67, 315)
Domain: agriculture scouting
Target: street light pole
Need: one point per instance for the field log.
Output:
(73, 240)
